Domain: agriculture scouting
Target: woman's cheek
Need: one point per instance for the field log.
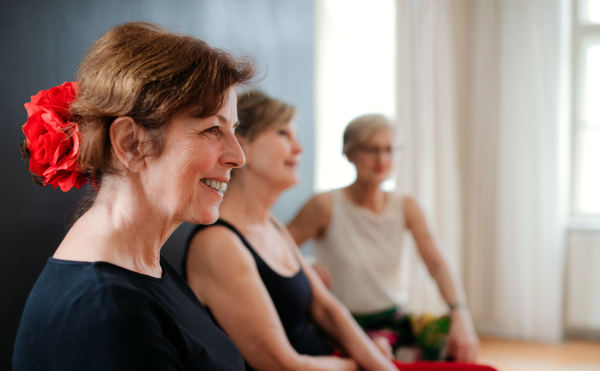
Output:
(206, 158)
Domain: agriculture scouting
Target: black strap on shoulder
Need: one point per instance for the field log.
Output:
(201, 227)
(234, 230)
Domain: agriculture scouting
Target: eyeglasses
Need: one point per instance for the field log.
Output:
(376, 151)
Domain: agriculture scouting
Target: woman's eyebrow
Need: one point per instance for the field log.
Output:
(224, 120)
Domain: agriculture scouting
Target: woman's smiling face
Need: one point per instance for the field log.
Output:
(187, 179)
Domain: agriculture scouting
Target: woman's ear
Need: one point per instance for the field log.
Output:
(127, 139)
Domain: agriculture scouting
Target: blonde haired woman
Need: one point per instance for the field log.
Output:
(358, 238)
(247, 270)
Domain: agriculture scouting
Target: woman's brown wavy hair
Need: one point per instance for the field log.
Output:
(143, 71)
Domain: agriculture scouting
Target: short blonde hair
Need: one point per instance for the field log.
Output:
(361, 128)
(257, 112)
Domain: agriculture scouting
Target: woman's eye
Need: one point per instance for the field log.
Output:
(283, 132)
(214, 130)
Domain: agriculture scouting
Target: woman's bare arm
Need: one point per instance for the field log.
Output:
(335, 319)
(223, 274)
(463, 343)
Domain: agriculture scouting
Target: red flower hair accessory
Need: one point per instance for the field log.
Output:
(52, 140)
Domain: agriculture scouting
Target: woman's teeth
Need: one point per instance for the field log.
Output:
(219, 186)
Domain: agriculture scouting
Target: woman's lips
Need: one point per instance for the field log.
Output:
(220, 194)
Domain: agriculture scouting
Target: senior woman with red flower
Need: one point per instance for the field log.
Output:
(151, 123)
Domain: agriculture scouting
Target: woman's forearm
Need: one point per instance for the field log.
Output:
(447, 280)
(462, 344)
(337, 321)
(433, 255)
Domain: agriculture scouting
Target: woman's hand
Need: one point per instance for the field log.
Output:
(337, 363)
(463, 343)
(384, 346)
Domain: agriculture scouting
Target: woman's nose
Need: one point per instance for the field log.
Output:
(297, 147)
(234, 155)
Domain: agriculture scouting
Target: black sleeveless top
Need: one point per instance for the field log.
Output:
(291, 296)
(99, 316)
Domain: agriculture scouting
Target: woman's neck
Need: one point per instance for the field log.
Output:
(123, 227)
(368, 195)
(249, 199)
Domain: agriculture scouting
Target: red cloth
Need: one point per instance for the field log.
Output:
(441, 366)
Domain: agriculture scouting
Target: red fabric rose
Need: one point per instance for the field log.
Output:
(52, 140)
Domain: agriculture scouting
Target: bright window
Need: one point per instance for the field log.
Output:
(591, 11)
(586, 149)
(355, 75)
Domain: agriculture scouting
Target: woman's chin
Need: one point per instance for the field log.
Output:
(207, 216)
(375, 179)
(283, 181)
(292, 182)
(381, 176)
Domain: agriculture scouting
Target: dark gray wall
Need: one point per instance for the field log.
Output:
(42, 43)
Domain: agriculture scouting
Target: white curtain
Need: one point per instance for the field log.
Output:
(427, 119)
(481, 100)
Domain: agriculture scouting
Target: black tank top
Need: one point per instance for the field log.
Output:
(291, 296)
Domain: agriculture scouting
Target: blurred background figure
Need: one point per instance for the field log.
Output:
(359, 230)
(494, 104)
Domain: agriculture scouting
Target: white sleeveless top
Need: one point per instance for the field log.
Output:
(363, 252)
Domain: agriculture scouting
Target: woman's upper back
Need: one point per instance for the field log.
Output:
(98, 316)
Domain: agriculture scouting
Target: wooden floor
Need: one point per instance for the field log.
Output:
(511, 355)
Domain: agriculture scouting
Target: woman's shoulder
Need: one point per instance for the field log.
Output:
(79, 296)
(214, 236)
(407, 200)
(99, 284)
(323, 202)
(218, 247)
(313, 219)
(80, 312)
